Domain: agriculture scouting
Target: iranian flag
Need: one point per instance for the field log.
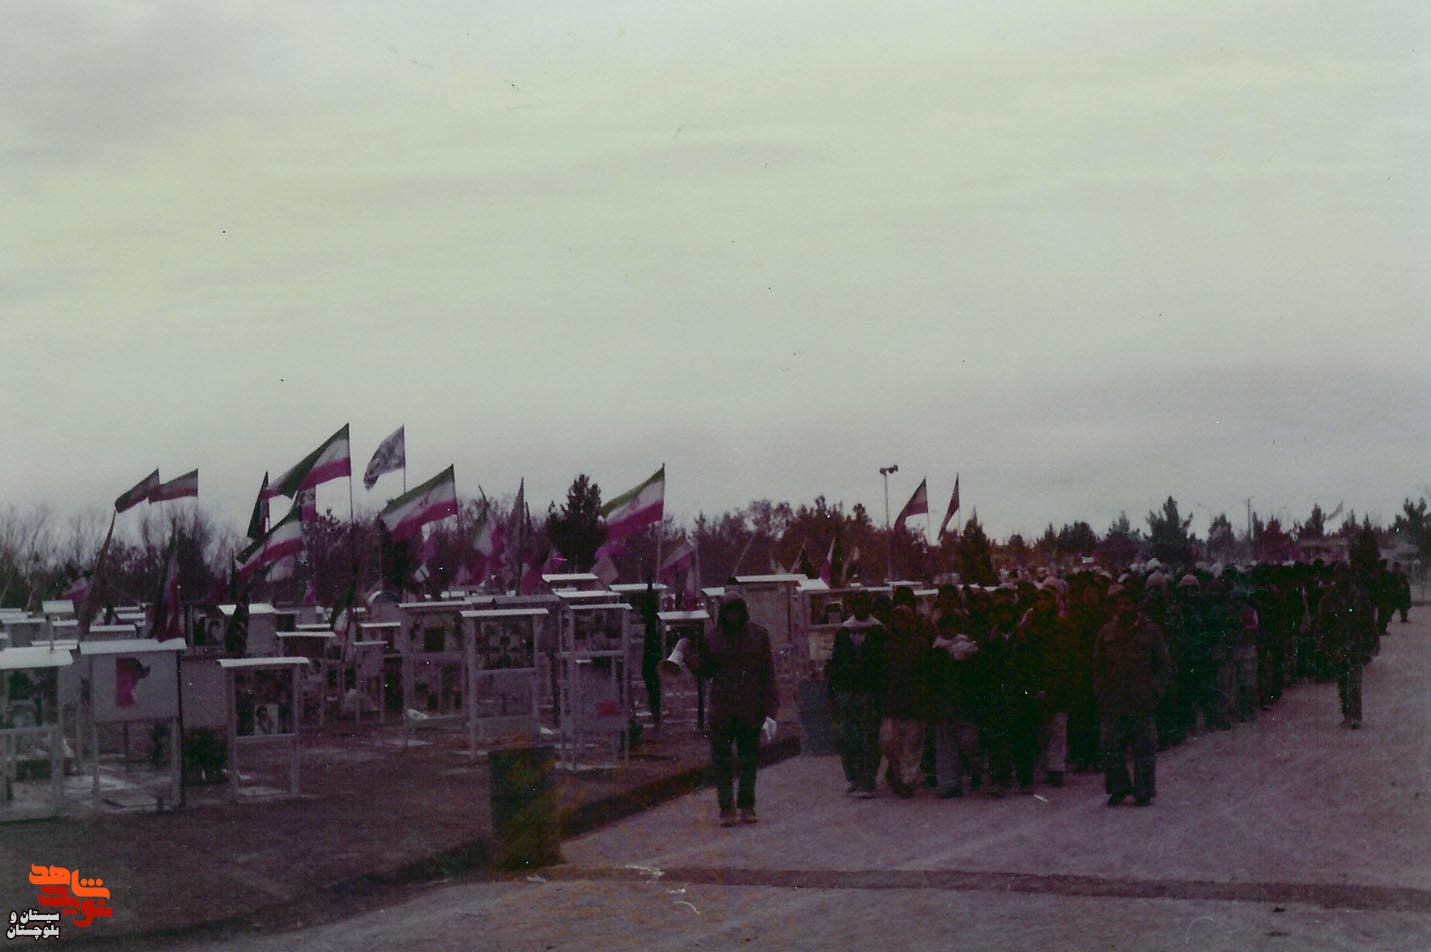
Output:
(918, 505)
(433, 500)
(142, 491)
(488, 543)
(953, 508)
(167, 611)
(605, 567)
(827, 567)
(681, 557)
(332, 460)
(285, 539)
(77, 591)
(258, 522)
(177, 488)
(638, 507)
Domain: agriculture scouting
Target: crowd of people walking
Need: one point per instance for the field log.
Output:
(1003, 689)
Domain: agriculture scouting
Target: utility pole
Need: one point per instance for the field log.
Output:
(888, 534)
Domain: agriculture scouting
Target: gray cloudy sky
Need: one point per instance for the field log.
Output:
(1085, 254)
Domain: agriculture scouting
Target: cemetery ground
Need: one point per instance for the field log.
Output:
(377, 817)
(1288, 833)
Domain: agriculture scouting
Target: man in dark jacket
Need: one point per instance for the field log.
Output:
(1347, 621)
(855, 674)
(737, 659)
(1403, 591)
(1045, 630)
(1131, 668)
(904, 698)
(953, 705)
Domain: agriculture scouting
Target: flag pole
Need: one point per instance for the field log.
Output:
(352, 524)
(661, 523)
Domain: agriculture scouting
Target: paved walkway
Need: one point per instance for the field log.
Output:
(1289, 833)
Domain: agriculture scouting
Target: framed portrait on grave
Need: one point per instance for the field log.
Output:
(508, 642)
(438, 634)
(597, 629)
(29, 698)
(263, 701)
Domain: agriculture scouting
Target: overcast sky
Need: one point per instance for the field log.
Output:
(1084, 254)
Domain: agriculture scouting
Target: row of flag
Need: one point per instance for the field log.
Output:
(918, 505)
(150, 489)
(433, 500)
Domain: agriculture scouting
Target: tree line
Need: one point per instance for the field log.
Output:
(42, 554)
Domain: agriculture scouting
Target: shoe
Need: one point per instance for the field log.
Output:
(903, 790)
(1116, 798)
(728, 817)
(1356, 725)
(748, 815)
(951, 793)
(864, 794)
(997, 793)
(850, 790)
(1054, 778)
(1142, 801)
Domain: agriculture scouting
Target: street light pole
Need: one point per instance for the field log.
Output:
(888, 534)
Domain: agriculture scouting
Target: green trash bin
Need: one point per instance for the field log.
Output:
(524, 807)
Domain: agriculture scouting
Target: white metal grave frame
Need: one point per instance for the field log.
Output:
(277, 733)
(30, 723)
(430, 642)
(596, 695)
(502, 689)
(134, 681)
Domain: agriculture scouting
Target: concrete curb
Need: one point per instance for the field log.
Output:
(472, 859)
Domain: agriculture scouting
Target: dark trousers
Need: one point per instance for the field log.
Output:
(857, 733)
(1117, 734)
(746, 740)
(1083, 731)
(1013, 746)
(653, 695)
(1349, 692)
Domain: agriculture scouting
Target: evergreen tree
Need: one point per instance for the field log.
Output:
(974, 559)
(575, 529)
(1168, 535)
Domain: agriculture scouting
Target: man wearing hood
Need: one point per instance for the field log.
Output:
(737, 658)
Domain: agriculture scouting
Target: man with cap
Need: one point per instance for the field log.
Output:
(737, 658)
(1131, 668)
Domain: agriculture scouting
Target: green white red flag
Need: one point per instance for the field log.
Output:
(637, 507)
(283, 540)
(433, 500)
(167, 622)
(488, 542)
(953, 508)
(331, 460)
(258, 522)
(918, 505)
(177, 488)
(142, 491)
